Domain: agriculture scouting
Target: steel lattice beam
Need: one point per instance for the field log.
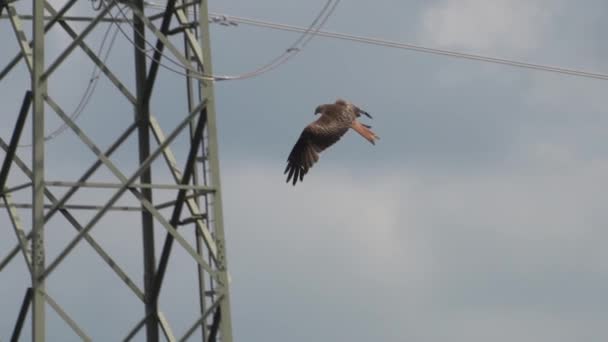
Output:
(197, 192)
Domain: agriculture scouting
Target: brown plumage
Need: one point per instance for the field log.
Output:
(335, 120)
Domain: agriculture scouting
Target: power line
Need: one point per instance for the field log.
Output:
(411, 47)
(297, 46)
(229, 20)
(90, 89)
(290, 52)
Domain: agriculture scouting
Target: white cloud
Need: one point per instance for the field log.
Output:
(434, 247)
(361, 220)
(485, 26)
(504, 326)
(408, 247)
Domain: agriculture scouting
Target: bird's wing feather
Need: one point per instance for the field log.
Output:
(315, 138)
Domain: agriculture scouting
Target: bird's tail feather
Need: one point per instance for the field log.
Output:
(365, 131)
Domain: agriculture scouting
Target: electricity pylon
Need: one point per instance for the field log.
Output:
(193, 218)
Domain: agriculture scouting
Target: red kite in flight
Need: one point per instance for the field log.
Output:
(335, 120)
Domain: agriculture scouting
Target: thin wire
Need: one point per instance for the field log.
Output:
(310, 37)
(288, 54)
(292, 50)
(233, 20)
(90, 89)
(93, 82)
(153, 47)
(145, 52)
(413, 47)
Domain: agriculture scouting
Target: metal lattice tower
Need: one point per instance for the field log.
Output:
(192, 219)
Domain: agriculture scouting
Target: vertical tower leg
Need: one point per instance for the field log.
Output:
(142, 116)
(195, 177)
(38, 253)
(224, 315)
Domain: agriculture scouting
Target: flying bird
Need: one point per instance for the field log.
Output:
(336, 118)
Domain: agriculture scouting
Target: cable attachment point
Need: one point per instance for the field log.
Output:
(222, 20)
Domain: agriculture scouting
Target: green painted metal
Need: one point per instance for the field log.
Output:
(25, 305)
(177, 174)
(66, 318)
(197, 188)
(179, 202)
(24, 45)
(126, 186)
(135, 329)
(38, 244)
(18, 228)
(76, 42)
(49, 24)
(142, 117)
(191, 44)
(10, 152)
(165, 327)
(214, 165)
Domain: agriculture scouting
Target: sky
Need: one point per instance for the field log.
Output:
(479, 214)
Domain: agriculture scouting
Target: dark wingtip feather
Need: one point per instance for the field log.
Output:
(366, 114)
(291, 171)
(295, 177)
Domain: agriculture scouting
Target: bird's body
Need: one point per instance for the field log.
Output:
(335, 120)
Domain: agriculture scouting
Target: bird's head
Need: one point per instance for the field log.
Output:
(341, 102)
(319, 110)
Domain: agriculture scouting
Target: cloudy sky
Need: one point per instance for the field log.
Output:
(479, 215)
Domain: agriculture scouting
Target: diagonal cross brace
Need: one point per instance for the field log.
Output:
(126, 184)
(123, 179)
(24, 45)
(201, 319)
(161, 36)
(66, 197)
(12, 148)
(180, 13)
(18, 228)
(4, 172)
(166, 328)
(192, 205)
(76, 42)
(105, 256)
(136, 329)
(66, 318)
(156, 130)
(56, 15)
(158, 52)
(179, 202)
(25, 305)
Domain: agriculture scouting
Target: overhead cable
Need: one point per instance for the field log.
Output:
(412, 47)
(89, 90)
(290, 52)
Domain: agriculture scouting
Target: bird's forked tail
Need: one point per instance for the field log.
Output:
(365, 131)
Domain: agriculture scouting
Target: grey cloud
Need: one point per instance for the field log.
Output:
(478, 216)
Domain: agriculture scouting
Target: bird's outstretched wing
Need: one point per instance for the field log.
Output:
(315, 138)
